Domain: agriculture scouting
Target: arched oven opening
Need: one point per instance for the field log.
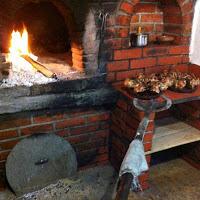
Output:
(48, 33)
(53, 36)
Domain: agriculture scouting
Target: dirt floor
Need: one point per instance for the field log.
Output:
(173, 180)
(91, 184)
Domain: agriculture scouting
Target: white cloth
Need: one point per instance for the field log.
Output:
(195, 38)
(134, 161)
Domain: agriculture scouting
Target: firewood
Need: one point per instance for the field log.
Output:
(39, 67)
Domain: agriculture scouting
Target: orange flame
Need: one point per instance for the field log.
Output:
(19, 46)
(19, 43)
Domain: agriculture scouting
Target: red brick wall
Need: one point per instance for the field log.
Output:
(126, 62)
(149, 16)
(125, 120)
(87, 130)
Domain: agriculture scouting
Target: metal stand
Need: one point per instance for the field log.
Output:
(148, 107)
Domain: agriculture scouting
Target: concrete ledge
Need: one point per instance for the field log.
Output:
(66, 94)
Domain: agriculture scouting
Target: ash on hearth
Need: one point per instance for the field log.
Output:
(23, 71)
(26, 76)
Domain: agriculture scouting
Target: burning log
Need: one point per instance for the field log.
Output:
(39, 67)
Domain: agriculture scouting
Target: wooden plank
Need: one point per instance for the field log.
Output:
(170, 133)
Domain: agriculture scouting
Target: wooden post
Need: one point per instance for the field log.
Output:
(124, 187)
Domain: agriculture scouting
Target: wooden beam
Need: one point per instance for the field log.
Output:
(124, 186)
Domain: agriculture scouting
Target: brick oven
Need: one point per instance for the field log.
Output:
(81, 106)
(56, 28)
(65, 35)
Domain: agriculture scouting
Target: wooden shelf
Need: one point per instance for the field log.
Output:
(170, 133)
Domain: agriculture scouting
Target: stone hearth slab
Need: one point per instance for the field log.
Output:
(90, 91)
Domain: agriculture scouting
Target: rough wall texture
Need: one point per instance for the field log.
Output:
(86, 129)
(127, 62)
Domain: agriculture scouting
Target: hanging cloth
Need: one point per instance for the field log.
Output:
(195, 39)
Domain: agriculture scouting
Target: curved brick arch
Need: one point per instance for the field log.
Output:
(125, 10)
(126, 6)
(127, 62)
(75, 38)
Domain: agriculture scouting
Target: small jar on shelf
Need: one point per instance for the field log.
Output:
(139, 39)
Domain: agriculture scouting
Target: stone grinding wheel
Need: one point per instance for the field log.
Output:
(38, 161)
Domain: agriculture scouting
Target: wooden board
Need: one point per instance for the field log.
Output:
(170, 133)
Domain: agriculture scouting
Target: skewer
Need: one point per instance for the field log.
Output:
(39, 67)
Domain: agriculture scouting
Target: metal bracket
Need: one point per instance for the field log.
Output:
(149, 106)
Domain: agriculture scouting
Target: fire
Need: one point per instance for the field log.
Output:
(19, 46)
(19, 43)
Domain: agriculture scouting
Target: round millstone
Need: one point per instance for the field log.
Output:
(38, 161)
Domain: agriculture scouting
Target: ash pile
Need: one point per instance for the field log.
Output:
(20, 73)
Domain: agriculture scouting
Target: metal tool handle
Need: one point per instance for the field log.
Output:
(42, 161)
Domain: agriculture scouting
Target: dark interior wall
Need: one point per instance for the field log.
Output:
(47, 31)
(9, 9)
